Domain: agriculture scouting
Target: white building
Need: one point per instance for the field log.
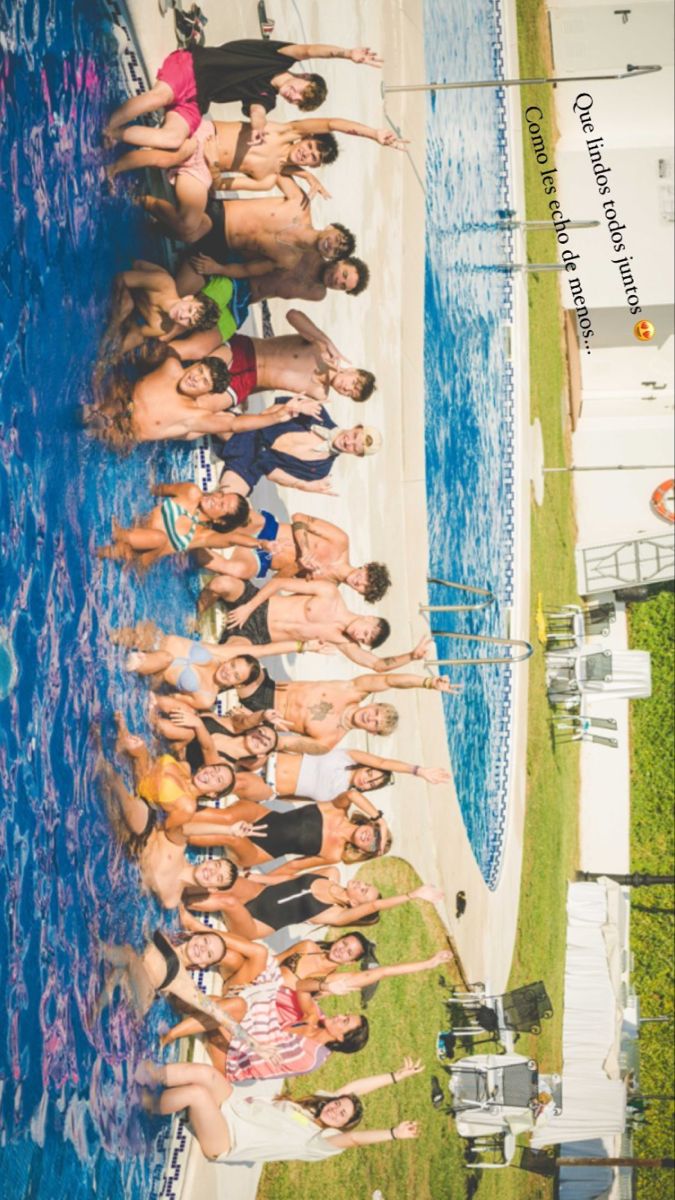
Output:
(627, 387)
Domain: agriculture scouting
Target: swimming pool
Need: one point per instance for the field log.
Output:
(67, 1127)
(469, 396)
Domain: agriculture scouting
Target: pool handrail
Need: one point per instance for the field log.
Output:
(460, 587)
(479, 662)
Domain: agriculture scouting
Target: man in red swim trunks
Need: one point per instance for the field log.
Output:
(253, 71)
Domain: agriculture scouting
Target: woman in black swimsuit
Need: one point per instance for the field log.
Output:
(215, 741)
(317, 834)
(259, 905)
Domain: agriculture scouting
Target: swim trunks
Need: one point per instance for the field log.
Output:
(177, 71)
(136, 842)
(214, 243)
(243, 368)
(255, 628)
(196, 165)
(220, 289)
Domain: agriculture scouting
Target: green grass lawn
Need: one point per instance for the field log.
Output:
(652, 627)
(407, 1013)
(404, 1016)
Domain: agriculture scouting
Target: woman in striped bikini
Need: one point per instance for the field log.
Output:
(187, 519)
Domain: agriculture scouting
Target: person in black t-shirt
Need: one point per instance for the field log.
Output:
(253, 71)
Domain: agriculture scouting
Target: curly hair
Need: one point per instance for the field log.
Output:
(362, 272)
(328, 147)
(348, 242)
(315, 94)
(209, 314)
(219, 373)
(378, 582)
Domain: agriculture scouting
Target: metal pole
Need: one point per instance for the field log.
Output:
(637, 879)
(527, 225)
(666, 1163)
(630, 72)
(615, 467)
(536, 267)
(478, 637)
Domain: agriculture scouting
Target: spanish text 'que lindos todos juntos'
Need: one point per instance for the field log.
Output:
(582, 106)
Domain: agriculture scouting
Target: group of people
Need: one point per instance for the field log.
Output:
(174, 367)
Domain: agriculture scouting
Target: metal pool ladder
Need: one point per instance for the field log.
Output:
(487, 598)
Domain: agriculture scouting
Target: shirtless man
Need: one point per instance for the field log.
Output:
(324, 710)
(262, 240)
(173, 401)
(149, 291)
(308, 547)
(306, 362)
(288, 147)
(311, 609)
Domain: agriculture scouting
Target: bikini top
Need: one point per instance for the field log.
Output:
(195, 755)
(171, 512)
(170, 958)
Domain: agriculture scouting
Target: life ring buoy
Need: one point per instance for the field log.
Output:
(662, 497)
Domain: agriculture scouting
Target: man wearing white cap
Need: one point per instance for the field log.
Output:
(300, 457)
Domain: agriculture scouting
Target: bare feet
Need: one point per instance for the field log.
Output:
(207, 598)
(134, 661)
(110, 136)
(127, 742)
(149, 1074)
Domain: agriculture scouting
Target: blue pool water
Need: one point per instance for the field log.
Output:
(468, 385)
(69, 1119)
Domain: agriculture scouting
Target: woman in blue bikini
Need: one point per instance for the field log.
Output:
(187, 519)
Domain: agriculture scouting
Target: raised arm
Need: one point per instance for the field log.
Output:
(361, 55)
(183, 491)
(255, 957)
(380, 683)
(341, 985)
(276, 414)
(372, 1083)
(374, 662)
(374, 1137)
(314, 125)
(430, 774)
(426, 892)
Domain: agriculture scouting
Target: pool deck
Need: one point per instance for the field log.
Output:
(382, 500)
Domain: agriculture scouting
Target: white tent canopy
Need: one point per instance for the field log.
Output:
(593, 1095)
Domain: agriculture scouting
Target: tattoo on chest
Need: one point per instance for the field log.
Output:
(318, 712)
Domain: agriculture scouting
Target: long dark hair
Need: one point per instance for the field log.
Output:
(315, 1105)
(353, 1041)
(239, 517)
(181, 939)
(386, 780)
(366, 946)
